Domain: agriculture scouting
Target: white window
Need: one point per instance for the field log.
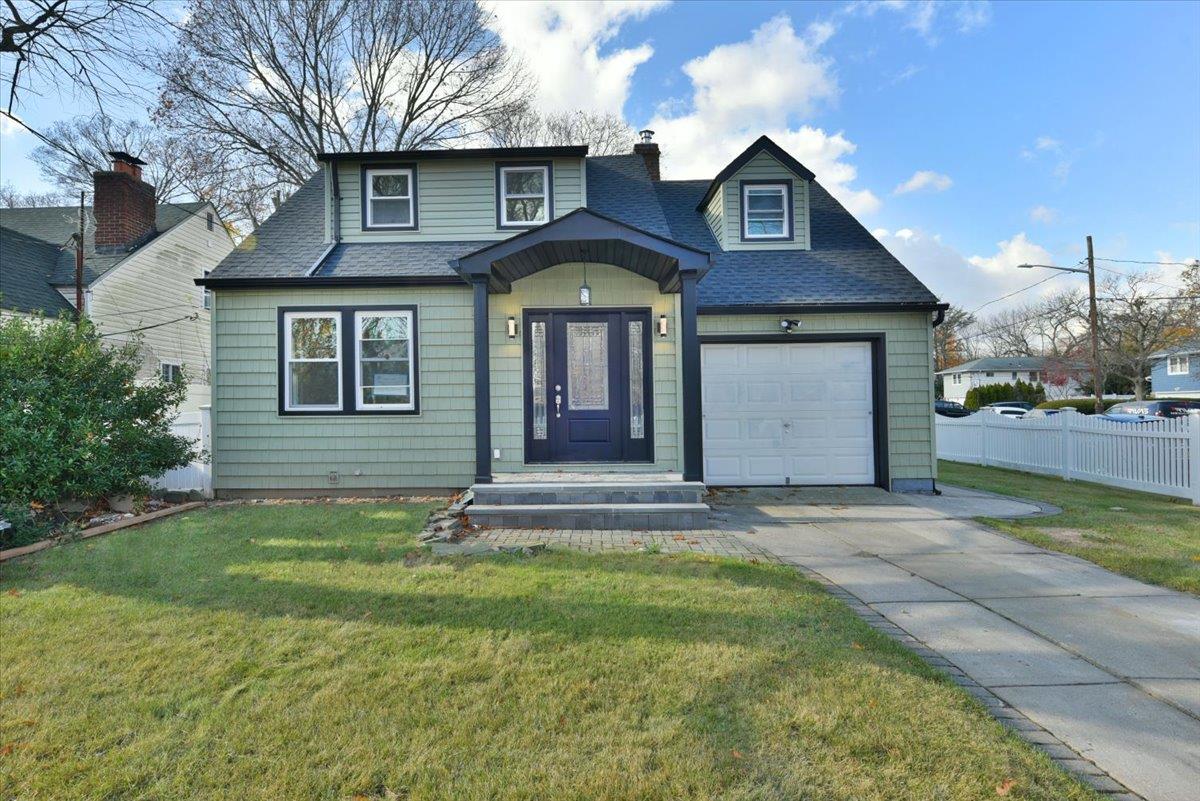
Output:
(206, 295)
(1014, 378)
(384, 375)
(1178, 365)
(389, 201)
(170, 372)
(765, 214)
(958, 378)
(312, 371)
(524, 195)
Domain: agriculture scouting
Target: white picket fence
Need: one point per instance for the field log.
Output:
(197, 476)
(1161, 456)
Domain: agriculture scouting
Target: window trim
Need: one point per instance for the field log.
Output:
(348, 369)
(789, 209)
(409, 168)
(285, 359)
(161, 364)
(502, 223)
(1184, 360)
(357, 316)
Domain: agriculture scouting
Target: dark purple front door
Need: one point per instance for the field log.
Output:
(587, 386)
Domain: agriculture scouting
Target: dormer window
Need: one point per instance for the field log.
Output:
(525, 198)
(389, 198)
(766, 211)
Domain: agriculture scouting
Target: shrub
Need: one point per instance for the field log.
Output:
(74, 422)
(1082, 405)
(978, 397)
(27, 525)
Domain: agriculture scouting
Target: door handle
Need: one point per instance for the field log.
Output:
(558, 405)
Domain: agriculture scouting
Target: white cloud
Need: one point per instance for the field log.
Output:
(560, 44)
(924, 16)
(973, 15)
(10, 127)
(761, 85)
(924, 179)
(969, 282)
(1044, 215)
(1047, 143)
(906, 74)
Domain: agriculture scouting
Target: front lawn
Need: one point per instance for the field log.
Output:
(313, 652)
(1153, 538)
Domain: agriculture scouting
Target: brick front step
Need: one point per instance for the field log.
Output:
(585, 516)
(576, 493)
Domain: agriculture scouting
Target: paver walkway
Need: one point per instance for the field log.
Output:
(1107, 665)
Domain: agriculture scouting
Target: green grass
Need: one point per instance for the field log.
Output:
(1148, 537)
(313, 652)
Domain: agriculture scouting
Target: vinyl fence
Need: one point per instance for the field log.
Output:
(1162, 456)
(197, 476)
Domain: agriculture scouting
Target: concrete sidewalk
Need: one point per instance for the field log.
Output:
(1107, 668)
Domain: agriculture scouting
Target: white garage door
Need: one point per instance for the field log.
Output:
(788, 413)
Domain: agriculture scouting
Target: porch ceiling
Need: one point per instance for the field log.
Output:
(583, 236)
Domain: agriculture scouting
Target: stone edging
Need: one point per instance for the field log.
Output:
(108, 528)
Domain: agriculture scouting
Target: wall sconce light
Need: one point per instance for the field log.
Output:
(662, 325)
(512, 327)
(789, 326)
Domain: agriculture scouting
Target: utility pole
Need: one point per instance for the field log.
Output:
(79, 263)
(1094, 321)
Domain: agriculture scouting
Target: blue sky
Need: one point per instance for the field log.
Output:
(1018, 128)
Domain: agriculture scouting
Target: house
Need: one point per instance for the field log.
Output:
(1058, 377)
(442, 318)
(140, 263)
(1175, 372)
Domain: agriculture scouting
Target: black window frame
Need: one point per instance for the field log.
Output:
(499, 194)
(348, 376)
(789, 209)
(364, 171)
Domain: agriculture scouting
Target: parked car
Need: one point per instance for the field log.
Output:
(1138, 411)
(1013, 405)
(1036, 414)
(1014, 412)
(949, 408)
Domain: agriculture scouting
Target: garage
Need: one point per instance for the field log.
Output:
(779, 413)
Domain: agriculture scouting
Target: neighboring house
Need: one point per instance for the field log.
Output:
(429, 319)
(1176, 372)
(140, 265)
(1060, 379)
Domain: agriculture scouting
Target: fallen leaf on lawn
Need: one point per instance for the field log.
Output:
(857, 646)
(679, 538)
(15, 593)
(635, 542)
(6, 749)
(736, 754)
(1005, 786)
(693, 542)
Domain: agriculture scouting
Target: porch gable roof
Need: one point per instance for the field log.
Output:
(583, 236)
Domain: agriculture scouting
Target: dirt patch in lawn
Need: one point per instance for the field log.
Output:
(1075, 536)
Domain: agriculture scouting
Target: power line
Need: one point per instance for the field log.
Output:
(1017, 292)
(1154, 263)
(120, 313)
(148, 327)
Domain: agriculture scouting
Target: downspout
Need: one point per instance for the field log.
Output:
(336, 214)
(939, 317)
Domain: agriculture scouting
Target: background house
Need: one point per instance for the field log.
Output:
(140, 263)
(1060, 380)
(1176, 372)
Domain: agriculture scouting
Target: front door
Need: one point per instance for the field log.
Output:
(587, 386)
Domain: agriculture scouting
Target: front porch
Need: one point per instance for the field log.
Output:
(623, 405)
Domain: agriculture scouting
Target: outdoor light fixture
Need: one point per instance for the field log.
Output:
(512, 327)
(789, 326)
(585, 291)
(662, 325)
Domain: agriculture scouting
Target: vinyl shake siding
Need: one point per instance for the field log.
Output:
(257, 450)
(909, 335)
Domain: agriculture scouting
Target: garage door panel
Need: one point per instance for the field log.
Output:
(798, 413)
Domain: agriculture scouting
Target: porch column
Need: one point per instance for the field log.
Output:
(483, 383)
(689, 342)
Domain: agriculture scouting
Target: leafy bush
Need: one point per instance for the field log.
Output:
(74, 422)
(978, 397)
(1083, 405)
(27, 525)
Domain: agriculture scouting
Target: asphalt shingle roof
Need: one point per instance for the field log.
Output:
(22, 266)
(998, 364)
(845, 265)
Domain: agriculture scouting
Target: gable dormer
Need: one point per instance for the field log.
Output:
(760, 201)
(480, 194)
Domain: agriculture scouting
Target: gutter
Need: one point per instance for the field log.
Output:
(330, 280)
(336, 213)
(823, 308)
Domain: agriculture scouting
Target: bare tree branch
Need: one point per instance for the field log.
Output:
(604, 134)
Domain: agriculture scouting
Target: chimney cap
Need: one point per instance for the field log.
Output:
(121, 155)
(646, 135)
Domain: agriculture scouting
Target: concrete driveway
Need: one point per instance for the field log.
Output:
(1109, 666)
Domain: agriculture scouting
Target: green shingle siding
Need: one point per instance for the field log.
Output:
(254, 448)
(456, 198)
(559, 287)
(911, 453)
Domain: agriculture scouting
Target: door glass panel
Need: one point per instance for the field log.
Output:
(538, 375)
(587, 366)
(637, 383)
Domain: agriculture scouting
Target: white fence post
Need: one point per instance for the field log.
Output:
(983, 437)
(1067, 451)
(1194, 457)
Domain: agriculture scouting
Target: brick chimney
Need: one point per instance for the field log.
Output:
(123, 204)
(648, 150)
